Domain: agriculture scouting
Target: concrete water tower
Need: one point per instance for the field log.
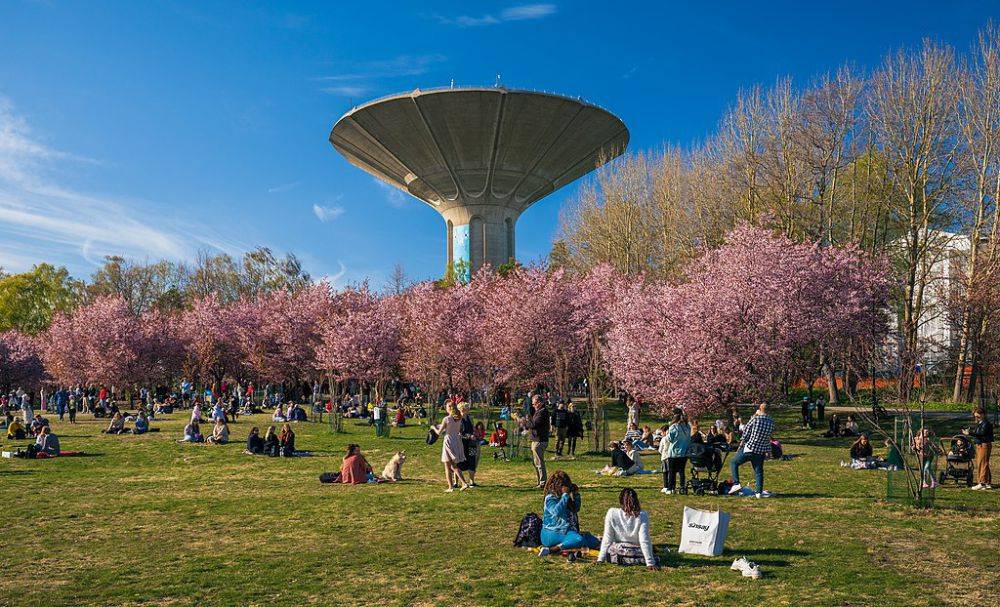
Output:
(479, 156)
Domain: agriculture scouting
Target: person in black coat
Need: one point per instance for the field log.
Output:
(255, 444)
(575, 428)
(272, 447)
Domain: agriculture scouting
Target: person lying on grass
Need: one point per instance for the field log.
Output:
(560, 521)
(220, 433)
(626, 533)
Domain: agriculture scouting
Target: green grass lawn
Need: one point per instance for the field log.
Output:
(144, 520)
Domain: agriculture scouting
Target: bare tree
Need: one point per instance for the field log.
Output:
(398, 282)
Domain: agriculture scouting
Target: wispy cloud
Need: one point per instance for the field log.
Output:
(393, 195)
(347, 90)
(522, 12)
(362, 77)
(327, 213)
(284, 187)
(47, 220)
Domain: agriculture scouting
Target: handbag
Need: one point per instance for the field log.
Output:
(432, 436)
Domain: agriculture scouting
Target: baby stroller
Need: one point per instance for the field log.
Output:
(706, 463)
(959, 461)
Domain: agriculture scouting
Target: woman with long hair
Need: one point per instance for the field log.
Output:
(287, 441)
(452, 450)
(355, 468)
(272, 446)
(562, 502)
(470, 445)
(626, 533)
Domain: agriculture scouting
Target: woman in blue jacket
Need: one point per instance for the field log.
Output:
(560, 527)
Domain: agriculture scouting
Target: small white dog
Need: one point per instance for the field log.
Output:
(393, 471)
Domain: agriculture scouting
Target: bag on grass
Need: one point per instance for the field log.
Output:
(621, 553)
(329, 477)
(777, 451)
(703, 532)
(529, 534)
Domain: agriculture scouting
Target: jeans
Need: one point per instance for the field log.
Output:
(671, 468)
(756, 460)
(571, 540)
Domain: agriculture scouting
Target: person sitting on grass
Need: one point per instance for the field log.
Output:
(15, 430)
(621, 464)
(47, 443)
(633, 433)
(634, 454)
(861, 454)
(141, 423)
(272, 447)
(833, 430)
(287, 441)
(279, 415)
(851, 427)
(37, 423)
(192, 433)
(562, 500)
(355, 469)
(220, 433)
(255, 444)
(117, 425)
(626, 532)
(715, 437)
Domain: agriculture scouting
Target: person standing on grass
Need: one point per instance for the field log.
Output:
(574, 428)
(673, 453)
(982, 436)
(538, 428)
(452, 451)
(470, 445)
(559, 422)
(754, 447)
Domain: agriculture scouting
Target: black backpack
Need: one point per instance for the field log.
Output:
(432, 436)
(529, 535)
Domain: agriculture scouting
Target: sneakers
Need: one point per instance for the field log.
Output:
(544, 551)
(764, 493)
(666, 491)
(978, 487)
(746, 568)
(736, 488)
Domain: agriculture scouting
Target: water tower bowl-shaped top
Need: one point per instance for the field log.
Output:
(478, 146)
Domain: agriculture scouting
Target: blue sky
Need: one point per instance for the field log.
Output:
(161, 128)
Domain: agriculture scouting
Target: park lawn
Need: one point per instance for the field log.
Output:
(144, 520)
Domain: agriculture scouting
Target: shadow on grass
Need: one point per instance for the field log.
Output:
(15, 472)
(761, 556)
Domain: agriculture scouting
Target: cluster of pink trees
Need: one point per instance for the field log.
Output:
(744, 317)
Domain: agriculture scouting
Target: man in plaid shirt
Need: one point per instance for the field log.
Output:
(754, 446)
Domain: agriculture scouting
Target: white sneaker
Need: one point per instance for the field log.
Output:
(544, 551)
(987, 486)
(665, 491)
(740, 564)
(977, 487)
(764, 493)
(735, 489)
(752, 571)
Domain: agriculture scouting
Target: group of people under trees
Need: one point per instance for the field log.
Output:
(273, 443)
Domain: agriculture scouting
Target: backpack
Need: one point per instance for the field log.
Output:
(329, 477)
(776, 450)
(432, 436)
(529, 534)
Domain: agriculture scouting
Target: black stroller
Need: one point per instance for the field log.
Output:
(959, 461)
(706, 464)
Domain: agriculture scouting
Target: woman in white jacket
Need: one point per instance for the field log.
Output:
(626, 533)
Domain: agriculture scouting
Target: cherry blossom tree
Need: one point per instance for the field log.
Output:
(361, 339)
(20, 361)
(207, 332)
(740, 319)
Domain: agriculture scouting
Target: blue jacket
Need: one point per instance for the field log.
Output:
(556, 512)
(679, 437)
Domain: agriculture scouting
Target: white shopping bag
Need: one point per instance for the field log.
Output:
(703, 532)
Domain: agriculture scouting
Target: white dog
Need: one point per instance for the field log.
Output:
(393, 471)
